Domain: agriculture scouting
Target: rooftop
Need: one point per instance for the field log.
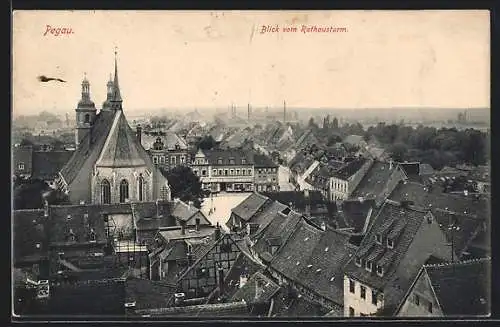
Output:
(250, 206)
(375, 180)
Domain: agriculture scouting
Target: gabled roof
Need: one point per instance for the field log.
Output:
(314, 258)
(462, 288)
(354, 214)
(183, 211)
(375, 181)
(29, 235)
(47, 164)
(258, 289)
(250, 206)
(350, 169)
(98, 136)
(148, 294)
(122, 148)
(401, 224)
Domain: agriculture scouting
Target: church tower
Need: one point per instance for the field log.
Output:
(109, 86)
(85, 114)
(116, 98)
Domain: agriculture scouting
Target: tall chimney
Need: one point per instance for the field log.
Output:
(249, 111)
(284, 111)
(139, 133)
(197, 224)
(217, 232)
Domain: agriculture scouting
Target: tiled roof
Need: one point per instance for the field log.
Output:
(122, 147)
(47, 164)
(354, 214)
(403, 223)
(169, 140)
(465, 230)
(64, 219)
(250, 206)
(148, 294)
(350, 169)
(263, 218)
(315, 258)
(100, 131)
(184, 211)
(227, 155)
(23, 154)
(420, 195)
(261, 160)
(29, 234)
(280, 226)
(375, 180)
(297, 198)
(462, 288)
(231, 309)
(176, 234)
(258, 289)
(236, 139)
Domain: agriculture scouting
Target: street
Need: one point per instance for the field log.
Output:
(284, 179)
(222, 203)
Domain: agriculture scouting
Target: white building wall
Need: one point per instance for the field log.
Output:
(354, 300)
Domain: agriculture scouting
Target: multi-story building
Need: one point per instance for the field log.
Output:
(224, 170)
(266, 174)
(400, 240)
(167, 150)
(345, 180)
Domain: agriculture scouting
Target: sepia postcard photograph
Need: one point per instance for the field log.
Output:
(250, 164)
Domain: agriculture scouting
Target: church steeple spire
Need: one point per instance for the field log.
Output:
(116, 100)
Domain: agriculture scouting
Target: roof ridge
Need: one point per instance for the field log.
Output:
(457, 263)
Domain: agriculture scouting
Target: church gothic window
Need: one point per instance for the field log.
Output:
(105, 192)
(87, 118)
(123, 191)
(141, 187)
(164, 193)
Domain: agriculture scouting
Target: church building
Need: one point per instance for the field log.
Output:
(109, 165)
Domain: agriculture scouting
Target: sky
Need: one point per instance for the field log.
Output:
(196, 59)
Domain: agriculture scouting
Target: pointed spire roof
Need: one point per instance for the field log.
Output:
(121, 148)
(116, 88)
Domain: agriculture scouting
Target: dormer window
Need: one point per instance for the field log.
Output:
(380, 270)
(368, 266)
(243, 161)
(358, 261)
(21, 166)
(68, 217)
(378, 238)
(219, 161)
(390, 243)
(71, 236)
(231, 161)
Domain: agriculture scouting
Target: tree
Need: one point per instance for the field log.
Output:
(185, 185)
(207, 143)
(333, 139)
(399, 151)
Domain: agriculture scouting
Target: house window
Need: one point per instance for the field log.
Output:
(363, 292)
(416, 299)
(182, 159)
(225, 172)
(368, 266)
(141, 187)
(429, 307)
(105, 192)
(155, 160)
(231, 172)
(237, 171)
(203, 173)
(21, 166)
(249, 172)
(92, 235)
(390, 243)
(123, 191)
(352, 286)
(358, 261)
(220, 172)
(351, 312)
(214, 172)
(374, 298)
(173, 160)
(378, 238)
(380, 271)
